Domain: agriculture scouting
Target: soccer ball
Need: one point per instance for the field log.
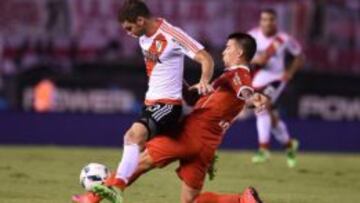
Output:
(93, 174)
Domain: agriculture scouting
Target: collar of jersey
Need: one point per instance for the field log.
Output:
(160, 21)
(237, 67)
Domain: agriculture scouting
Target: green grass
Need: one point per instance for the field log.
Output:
(50, 175)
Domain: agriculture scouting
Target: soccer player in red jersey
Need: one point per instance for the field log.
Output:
(201, 132)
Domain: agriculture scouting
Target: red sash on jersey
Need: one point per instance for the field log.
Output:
(273, 47)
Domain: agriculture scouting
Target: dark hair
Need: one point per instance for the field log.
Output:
(132, 9)
(247, 43)
(270, 11)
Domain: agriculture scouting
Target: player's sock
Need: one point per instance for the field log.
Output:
(129, 162)
(264, 146)
(263, 125)
(209, 197)
(281, 133)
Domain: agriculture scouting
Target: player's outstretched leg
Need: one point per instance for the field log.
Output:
(134, 141)
(250, 195)
(113, 186)
(263, 125)
(282, 135)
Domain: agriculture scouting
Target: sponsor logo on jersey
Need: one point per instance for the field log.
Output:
(181, 45)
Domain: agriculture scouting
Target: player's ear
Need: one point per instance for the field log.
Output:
(240, 53)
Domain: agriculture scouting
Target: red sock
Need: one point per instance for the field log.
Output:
(264, 146)
(288, 145)
(209, 197)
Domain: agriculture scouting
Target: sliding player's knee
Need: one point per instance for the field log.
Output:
(188, 199)
(146, 162)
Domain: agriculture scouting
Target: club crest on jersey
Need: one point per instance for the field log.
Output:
(159, 46)
(151, 56)
(237, 80)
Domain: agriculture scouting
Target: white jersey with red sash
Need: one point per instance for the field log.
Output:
(164, 53)
(275, 47)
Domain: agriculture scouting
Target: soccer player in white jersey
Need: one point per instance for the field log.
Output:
(271, 78)
(164, 47)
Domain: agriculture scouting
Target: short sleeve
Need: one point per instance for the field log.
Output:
(253, 32)
(189, 46)
(293, 47)
(239, 80)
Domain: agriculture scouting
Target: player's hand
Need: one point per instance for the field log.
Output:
(260, 59)
(260, 102)
(203, 88)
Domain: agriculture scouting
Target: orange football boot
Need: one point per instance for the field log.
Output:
(88, 197)
(250, 195)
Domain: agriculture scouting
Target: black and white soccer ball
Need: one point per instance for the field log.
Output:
(93, 174)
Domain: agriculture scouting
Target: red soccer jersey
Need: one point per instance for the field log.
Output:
(214, 113)
(205, 126)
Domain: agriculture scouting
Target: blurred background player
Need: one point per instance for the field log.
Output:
(271, 78)
(164, 47)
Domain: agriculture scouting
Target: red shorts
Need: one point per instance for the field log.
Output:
(195, 157)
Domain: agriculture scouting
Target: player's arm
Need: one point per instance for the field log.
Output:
(260, 59)
(190, 96)
(295, 49)
(296, 64)
(207, 71)
(194, 50)
(192, 93)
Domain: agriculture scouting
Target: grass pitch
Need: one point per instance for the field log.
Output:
(50, 175)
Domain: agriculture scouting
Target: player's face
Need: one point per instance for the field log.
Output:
(231, 53)
(268, 24)
(136, 29)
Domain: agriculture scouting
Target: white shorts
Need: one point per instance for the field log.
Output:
(269, 83)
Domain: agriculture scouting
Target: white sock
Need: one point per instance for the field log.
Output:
(263, 125)
(129, 162)
(281, 133)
